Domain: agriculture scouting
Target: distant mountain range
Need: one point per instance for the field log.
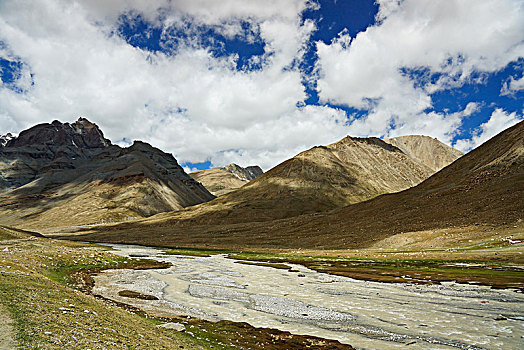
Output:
(299, 203)
(226, 179)
(62, 174)
(358, 192)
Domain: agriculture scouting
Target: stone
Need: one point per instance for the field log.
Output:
(172, 325)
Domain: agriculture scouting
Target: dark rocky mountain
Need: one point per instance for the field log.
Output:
(220, 181)
(248, 173)
(62, 174)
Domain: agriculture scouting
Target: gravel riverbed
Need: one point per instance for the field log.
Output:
(364, 314)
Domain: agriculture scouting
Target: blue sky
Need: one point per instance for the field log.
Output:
(256, 82)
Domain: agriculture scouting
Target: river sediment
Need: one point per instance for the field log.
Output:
(364, 314)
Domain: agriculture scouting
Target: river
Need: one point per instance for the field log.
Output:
(364, 314)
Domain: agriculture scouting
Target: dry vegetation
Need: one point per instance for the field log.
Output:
(46, 312)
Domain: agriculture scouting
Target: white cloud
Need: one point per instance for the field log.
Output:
(260, 143)
(512, 85)
(454, 38)
(189, 170)
(205, 11)
(499, 121)
(200, 107)
(190, 103)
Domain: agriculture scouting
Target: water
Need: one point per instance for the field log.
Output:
(365, 314)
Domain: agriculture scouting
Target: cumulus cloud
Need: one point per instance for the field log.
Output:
(512, 85)
(451, 40)
(499, 121)
(189, 102)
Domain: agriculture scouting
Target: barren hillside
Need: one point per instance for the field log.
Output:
(220, 181)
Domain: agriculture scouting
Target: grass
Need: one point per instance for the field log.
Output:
(194, 252)
(36, 291)
(40, 285)
(264, 264)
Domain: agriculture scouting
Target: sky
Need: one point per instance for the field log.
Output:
(258, 81)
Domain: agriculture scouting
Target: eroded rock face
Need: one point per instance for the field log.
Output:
(249, 173)
(65, 168)
(80, 134)
(427, 150)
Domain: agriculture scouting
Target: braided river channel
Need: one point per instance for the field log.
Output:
(364, 314)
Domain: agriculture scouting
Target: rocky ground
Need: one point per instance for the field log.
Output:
(46, 299)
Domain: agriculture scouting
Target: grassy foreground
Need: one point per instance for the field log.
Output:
(44, 294)
(48, 313)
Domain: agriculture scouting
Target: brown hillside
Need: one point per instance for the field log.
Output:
(427, 150)
(220, 181)
(319, 179)
(348, 171)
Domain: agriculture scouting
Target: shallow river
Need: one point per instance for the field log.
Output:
(368, 315)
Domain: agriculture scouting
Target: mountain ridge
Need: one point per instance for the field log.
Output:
(69, 174)
(222, 180)
(481, 191)
(313, 182)
(420, 146)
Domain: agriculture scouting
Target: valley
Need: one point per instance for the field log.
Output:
(363, 243)
(288, 298)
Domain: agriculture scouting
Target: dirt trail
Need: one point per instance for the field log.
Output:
(6, 331)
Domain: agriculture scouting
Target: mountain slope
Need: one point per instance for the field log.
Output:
(322, 178)
(69, 174)
(484, 187)
(220, 181)
(427, 150)
(319, 179)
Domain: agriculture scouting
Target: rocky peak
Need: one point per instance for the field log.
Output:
(350, 141)
(247, 174)
(427, 150)
(254, 170)
(80, 134)
(4, 139)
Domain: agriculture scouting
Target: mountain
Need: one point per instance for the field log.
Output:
(62, 174)
(319, 179)
(481, 193)
(226, 179)
(264, 211)
(482, 189)
(427, 150)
